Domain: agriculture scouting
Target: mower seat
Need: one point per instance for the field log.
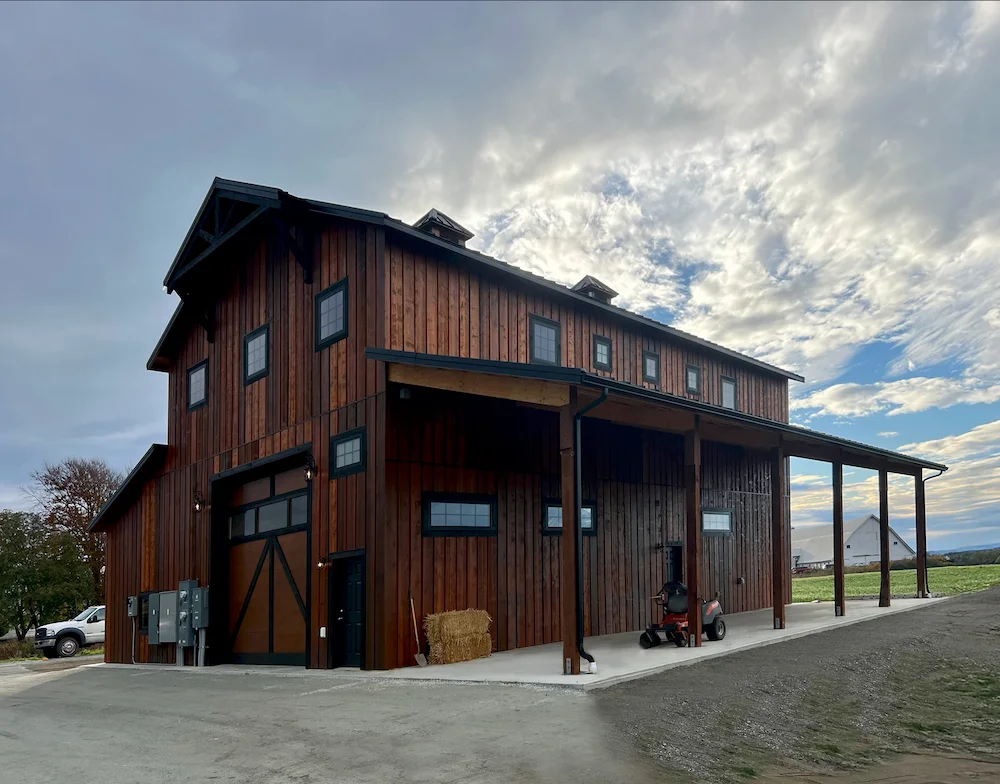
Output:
(675, 598)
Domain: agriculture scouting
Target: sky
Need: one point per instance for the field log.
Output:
(817, 185)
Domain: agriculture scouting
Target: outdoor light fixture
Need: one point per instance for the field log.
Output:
(199, 501)
(310, 468)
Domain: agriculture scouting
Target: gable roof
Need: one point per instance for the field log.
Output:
(818, 544)
(149, 463)
(254, 201)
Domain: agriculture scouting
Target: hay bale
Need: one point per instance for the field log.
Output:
(458, 635)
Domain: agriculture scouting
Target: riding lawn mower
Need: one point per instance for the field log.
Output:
(673, 601)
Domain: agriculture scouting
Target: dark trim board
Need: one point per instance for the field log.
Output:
(153, 460)
(279, 659)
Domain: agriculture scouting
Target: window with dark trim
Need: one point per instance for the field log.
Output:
(277, 513)
(459, 514)
(255, 354)
(198, 385)
(552, 517)
(144, 612)
(728, 393)
(543, 339)
(651, 367)
(331, 314)
(692, 379)
(602, 352)
(716, 522)
(347, 453)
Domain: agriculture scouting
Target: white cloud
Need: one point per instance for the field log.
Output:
(887, 434)
(905, 396)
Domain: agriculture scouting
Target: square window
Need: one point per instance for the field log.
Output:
(198, 385)
(602, 353)
(692, 379)
(271, 517)
(729, 393)
(544, 340)
(651, 367)
(255, 355)
(552, 522)
(331, 315)
(347, 453)
(459, 514)
(716, 521)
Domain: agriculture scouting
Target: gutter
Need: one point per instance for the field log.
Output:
(577, 531)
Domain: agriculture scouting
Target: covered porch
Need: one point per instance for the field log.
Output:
(574, 395)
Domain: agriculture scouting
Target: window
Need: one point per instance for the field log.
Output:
(544, 340)
(692, 376)
(275, 514)
(255, 355)
(331, 315)
(552, 522)
(198, 385)
(459, 514)
(98, 616)
(602, 353)
(729, 393)
(347, 453)
(651, 367)
(718, 522)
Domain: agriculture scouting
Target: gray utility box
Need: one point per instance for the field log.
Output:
(133, 607)
(153, 621)
(167, 617)
(185, 601)
(199, 608)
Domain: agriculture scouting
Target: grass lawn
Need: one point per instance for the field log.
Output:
(944, 580)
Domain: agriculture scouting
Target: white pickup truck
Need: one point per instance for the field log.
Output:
(65, 638)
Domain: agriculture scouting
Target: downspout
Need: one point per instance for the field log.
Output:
(577, 530)
(924, 481)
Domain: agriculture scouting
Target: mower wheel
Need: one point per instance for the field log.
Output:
(680, 640)
(717, 631)
(648, 640)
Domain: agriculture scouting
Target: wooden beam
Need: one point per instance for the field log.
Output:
(838, 539)
(883, 537)
(220, 242)
(779, 566)
(570, 534)
(302, 252)
(692, 508)
(524, 390)
(651, 417)
(921, 514)
(725, 433)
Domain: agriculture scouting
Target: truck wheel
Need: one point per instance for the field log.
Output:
(66, 647)
(717, 631)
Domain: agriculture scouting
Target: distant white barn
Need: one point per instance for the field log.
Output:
(813, 545)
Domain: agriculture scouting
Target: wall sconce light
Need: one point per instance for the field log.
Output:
(310, 468)
(199, 501)
(322, 565)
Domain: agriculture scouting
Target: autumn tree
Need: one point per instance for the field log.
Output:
(69, 496)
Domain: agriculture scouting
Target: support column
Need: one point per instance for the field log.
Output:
(571, 530)
(838, 538)
(692, 508)
(780, 567)
(921, 514)
(883, 536)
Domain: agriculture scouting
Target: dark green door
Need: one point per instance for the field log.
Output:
(347, 611)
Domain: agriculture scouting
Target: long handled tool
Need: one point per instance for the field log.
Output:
(421, 659)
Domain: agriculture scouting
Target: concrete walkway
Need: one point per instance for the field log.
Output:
(619, 657)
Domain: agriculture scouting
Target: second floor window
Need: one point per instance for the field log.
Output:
(651, 367)
(347, 453)
(544, 342)
(602, 353)
(255, 355)
(729, 393)
(331, 314)
(692, 375)
(198, 385)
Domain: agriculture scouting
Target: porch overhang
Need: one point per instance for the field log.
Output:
(628, 404)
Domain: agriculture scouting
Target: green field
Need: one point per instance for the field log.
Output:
(945, 580)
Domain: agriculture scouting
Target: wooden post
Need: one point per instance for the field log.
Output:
(571, 530)
(883, 536)
(921, 514)
(838, 538)
(692, 507)
(779, 566)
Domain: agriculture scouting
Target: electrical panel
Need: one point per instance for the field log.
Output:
(168, 617)
(185, 601)
(153, 625)
(199, 608)
(133, 607)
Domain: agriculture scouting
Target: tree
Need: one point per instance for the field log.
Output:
(43, 576)
(69, 496)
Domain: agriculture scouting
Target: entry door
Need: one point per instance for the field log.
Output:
(347, 611)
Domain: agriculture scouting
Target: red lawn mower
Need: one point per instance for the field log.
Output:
(673, 599)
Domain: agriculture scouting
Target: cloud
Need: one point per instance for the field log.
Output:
(887, 434)
(905, 396)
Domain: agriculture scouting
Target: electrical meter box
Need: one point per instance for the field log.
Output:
(199, 608)
(168, 617)
(153, 620)
(133, 607)
(185, 600)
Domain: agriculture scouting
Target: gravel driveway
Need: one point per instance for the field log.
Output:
(926, 681)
